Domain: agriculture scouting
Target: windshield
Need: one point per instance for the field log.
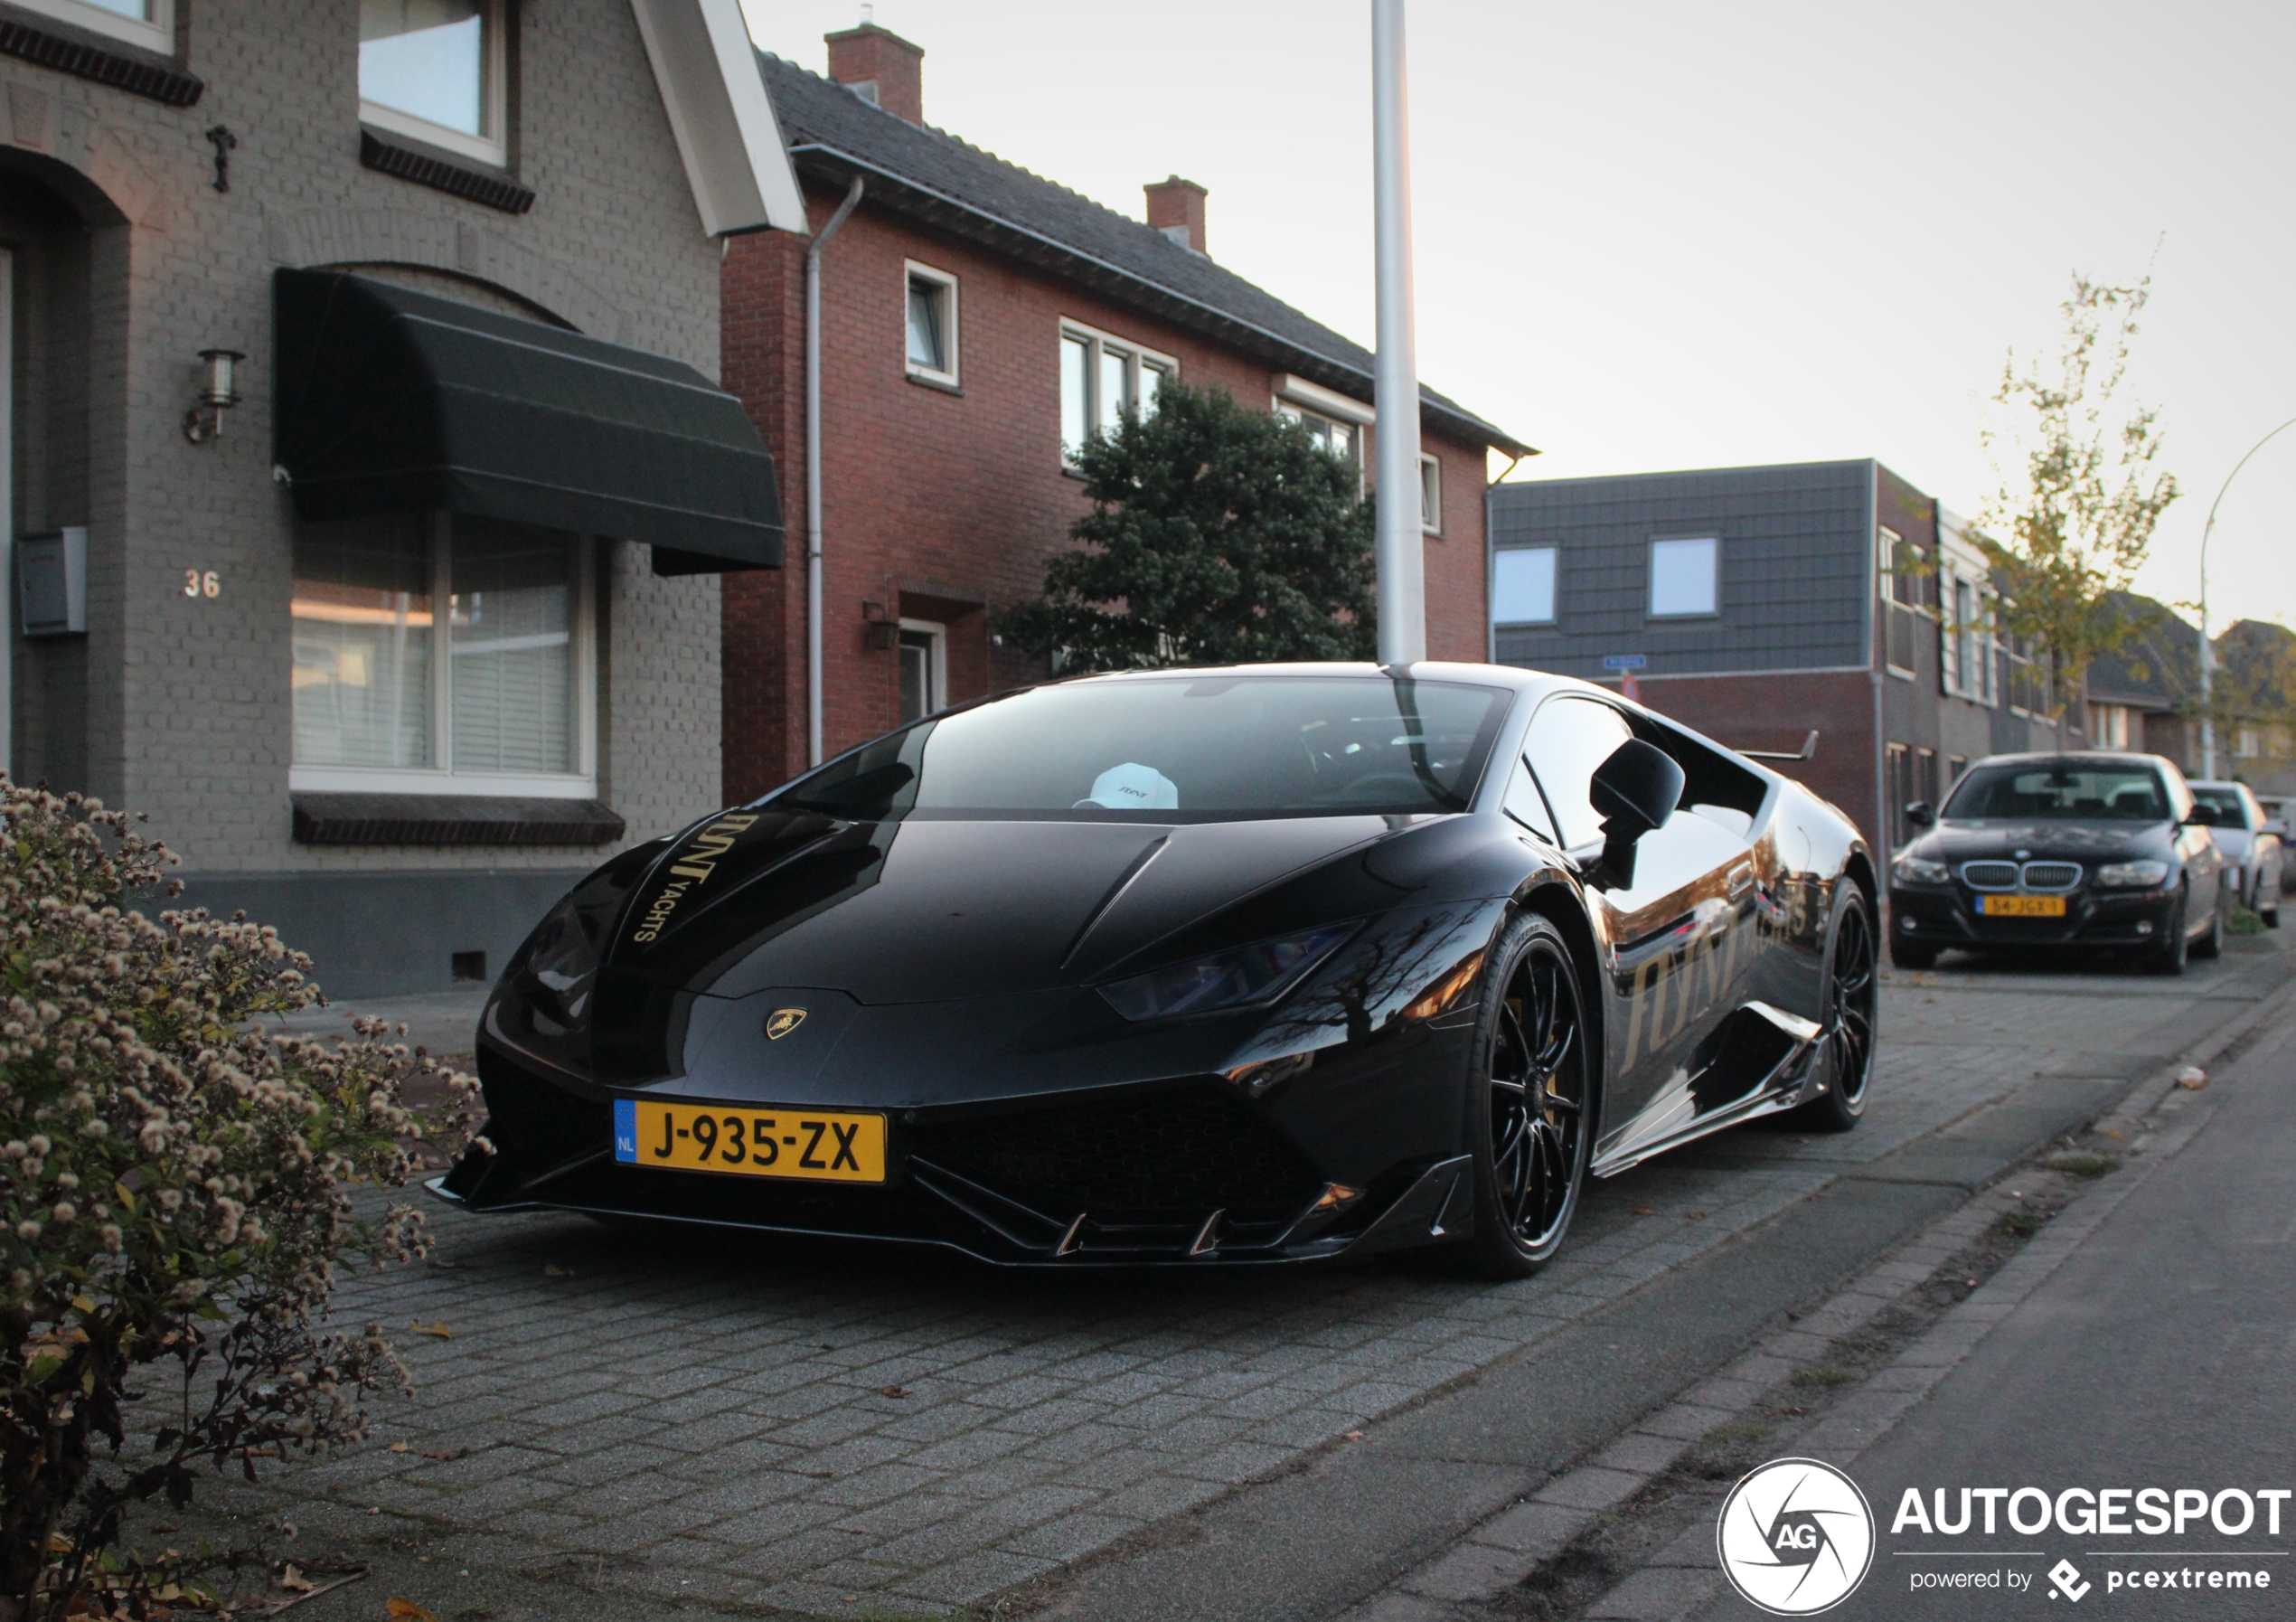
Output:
(1178, 750)
(2062, 792)
(2233, 809)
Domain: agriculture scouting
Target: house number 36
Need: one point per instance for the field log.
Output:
(201, 584)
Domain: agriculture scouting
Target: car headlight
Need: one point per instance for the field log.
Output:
(2129, 874)
(1240, 978)
(561, 967)
(1921, 870)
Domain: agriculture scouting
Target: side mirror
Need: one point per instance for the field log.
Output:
(1921, 814)
(2201, 815)
(1634, 791)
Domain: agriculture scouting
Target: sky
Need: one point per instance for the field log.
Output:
(1671, 235)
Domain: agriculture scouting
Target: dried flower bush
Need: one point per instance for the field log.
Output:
(175, 1191)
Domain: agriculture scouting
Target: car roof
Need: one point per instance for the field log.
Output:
(1426, 670)
(2074, 757)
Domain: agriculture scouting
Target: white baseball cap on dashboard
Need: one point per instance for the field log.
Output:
(1131, 786)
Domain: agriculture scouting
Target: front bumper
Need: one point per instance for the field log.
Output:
(1187, 1171)
(1946, 916)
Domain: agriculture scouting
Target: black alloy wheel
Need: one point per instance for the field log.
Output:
(2168, 956)
(1845, 1060)
(1533, 1104)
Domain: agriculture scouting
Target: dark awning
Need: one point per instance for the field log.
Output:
(391, 401)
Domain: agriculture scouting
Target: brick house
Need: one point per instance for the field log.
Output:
(1761, 604)
(974, 316)
(369, 489)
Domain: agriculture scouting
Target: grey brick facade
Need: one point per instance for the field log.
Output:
(128, 261)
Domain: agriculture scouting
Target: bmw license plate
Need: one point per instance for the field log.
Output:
(2021, 906)
(812, 1143)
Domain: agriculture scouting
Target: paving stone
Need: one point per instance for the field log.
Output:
(977, 1576)
(1533, 1530)
(1470, 1571)
(1589, 1487)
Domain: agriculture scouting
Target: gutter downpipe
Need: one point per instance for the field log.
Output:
(1490, 567)
(812, 470)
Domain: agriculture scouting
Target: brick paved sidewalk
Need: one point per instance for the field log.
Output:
(787, 1425)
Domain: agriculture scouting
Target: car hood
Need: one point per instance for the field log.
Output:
(928, 910)
(1957, 842)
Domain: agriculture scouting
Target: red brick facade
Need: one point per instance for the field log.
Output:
(942, 503)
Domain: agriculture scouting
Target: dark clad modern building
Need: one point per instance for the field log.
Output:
(1763, 604)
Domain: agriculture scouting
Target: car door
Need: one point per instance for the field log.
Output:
(1673, 944)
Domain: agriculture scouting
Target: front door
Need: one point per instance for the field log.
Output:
(1675, 952)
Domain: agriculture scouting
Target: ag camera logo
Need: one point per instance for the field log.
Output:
(1796, 1537)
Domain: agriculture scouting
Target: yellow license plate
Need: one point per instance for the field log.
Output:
(2021, 906)
(746, 1142)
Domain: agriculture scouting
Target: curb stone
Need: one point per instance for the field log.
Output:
(1499, 1554)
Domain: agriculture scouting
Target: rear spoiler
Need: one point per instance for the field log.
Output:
(1809, 748)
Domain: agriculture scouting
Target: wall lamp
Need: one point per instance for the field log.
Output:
(205, 421)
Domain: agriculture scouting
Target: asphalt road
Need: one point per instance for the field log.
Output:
(2162, 1353)
(615, 1431)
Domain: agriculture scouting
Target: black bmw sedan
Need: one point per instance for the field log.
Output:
(2083, 853)
(1252, 964)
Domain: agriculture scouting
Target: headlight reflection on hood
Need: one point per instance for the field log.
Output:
(1240, 977)
(561, 964)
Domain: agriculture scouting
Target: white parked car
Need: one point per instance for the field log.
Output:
(2251, 846)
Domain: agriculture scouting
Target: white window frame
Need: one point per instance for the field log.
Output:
(492, 149)
(1714, 579)
(1137, 358)
(1430, 494)
(913, 272)
(937, 672)
(578, 785)
(155, 32)
(1554, 585)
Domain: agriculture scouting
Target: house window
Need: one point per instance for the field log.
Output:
(1898, 771)
(1334, 438)
(150, 23)
(1682, 577)
(1954, 766)
(2109, 726)
(1102, 377)
(923, 668)
(2244, 744)
(1522, 586)
(443, 655)
(1430, 495)
(435, 69)
(932, 325)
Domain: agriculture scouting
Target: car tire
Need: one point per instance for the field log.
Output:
(2212, 944)
(1849, 1007)
(2168, 956)
(1530, 1160)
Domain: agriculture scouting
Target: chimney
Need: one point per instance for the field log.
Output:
(881, 68)
(1176, 208)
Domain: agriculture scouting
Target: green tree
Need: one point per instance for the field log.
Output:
(1217, 535)
(2079, 495)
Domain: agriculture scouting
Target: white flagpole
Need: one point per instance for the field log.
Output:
(1400, 549)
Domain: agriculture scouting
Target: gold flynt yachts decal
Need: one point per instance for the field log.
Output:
(781, 1021)
(693, 866)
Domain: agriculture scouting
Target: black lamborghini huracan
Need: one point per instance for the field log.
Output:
(1262, 964)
